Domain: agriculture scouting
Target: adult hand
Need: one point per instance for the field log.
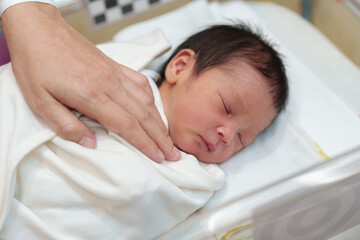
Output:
(57, 69)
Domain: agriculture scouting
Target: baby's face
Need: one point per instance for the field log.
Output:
(219, 112)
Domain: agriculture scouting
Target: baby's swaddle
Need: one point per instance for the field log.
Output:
(55, 189)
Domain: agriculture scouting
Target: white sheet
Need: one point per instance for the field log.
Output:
(314, 50)
(56, 189)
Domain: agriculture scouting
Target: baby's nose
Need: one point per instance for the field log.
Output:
(226, 133)
(222, 138)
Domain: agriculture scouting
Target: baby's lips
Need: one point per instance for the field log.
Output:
(212, 147)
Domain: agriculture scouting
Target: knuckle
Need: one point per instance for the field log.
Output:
(37, 104)
(130, 124)
(148, 100)
(90, 93)
(100, 99)
(145, 116)
(89, 88)
(67, 130)
(143, 81)
(94, 96)
(166, 135)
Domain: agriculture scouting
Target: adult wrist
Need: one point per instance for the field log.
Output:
(29, 23)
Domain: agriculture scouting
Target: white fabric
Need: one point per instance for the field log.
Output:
(177, 25)
(51, 188)
(314, 50)
(147, 47)
(316, 123)
(4, 4)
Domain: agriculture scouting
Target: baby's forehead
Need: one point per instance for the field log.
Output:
(238, 73)
(243, 82)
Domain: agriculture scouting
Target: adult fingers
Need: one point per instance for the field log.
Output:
(148, 117)
(117, 119)
(138, 80)
(62, 120)
(142, 107)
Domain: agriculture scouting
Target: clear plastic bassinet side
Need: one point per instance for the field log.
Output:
(318, 203)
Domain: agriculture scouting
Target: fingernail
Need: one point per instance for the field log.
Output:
(87, 142)
(161, 155)
(176, 152)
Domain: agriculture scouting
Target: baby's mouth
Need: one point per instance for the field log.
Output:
(205, 143)
(209, 147)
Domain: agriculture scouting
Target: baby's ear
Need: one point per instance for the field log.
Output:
(179, 66)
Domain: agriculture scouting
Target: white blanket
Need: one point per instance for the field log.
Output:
(51, 188)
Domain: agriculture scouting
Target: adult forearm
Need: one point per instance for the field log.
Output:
(22, 23)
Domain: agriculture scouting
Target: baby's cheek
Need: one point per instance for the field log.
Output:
(232, 152)
(182, 141)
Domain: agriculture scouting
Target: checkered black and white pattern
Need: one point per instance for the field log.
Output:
(108, 11)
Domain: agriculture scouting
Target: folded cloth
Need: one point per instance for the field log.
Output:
(51, 188)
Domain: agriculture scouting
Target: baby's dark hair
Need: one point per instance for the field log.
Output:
(220, 44)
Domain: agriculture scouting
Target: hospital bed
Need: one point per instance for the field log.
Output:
(301, 178)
